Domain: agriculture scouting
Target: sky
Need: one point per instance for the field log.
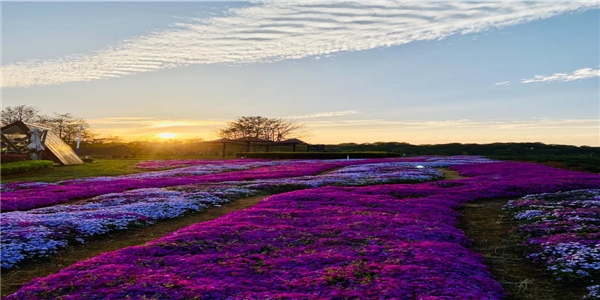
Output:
(416, 72)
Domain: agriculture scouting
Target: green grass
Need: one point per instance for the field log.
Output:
(100, 167)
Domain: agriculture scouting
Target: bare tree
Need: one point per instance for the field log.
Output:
(65, 125)
(272, 129)
(23, 113)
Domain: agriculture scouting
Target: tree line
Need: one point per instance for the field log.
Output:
(271, 129)
(65, 125)
(492, 149)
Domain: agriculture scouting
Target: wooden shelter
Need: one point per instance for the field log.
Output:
(224, 142)
(251, 140)
(15, 138)
(248, 141)
(293, 142)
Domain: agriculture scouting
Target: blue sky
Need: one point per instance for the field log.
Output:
(418, 73)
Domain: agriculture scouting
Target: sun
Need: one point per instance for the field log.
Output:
(167, 135)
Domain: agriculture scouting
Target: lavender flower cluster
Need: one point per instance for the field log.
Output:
(375, 242)
(562, 231)
(42, 232)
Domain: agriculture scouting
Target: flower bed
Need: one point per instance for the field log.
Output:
(203, 167)
(329, 243)
(25, 199)
(178, 163)
(19, 196)
(562, 232)
(41, 232)
(357, 175)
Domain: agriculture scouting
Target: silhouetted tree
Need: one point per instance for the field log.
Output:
(23, 113)
(272, 129)
(65, 125)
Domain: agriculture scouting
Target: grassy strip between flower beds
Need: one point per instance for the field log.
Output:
(489, 228)
(315, 155)
(100, 167)
(25, 166)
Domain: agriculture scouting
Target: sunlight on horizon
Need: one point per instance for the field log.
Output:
(167, 135)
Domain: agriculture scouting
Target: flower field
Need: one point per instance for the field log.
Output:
(43, 231)
(26, 195)
(366, 229)
(562, 232)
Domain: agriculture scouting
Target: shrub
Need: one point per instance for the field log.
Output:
(8, 158)
(315, 155)
(25, 166)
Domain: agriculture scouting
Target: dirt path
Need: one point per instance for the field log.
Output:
(13, 279)
(483, 221)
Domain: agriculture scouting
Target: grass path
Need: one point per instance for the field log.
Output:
(483, 221)
(100, 167)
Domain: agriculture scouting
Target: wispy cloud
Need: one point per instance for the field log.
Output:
(273, 31)
(503, 83)
(584, 73)
(326, 114)
(150, 122)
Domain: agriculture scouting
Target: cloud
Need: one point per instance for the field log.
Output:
(326, 114)
(273, 31)
(503, 83)
(150, 122)
(585, 73)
